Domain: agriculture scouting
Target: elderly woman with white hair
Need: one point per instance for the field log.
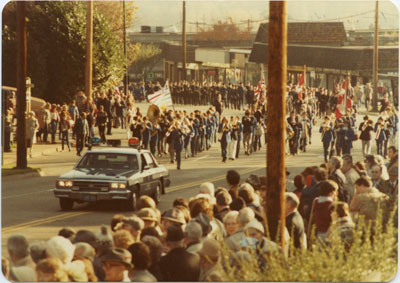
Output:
(231, 222)
(32, 125)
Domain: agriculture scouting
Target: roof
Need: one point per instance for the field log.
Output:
(120, 150)
(332, 33)
(340, 58)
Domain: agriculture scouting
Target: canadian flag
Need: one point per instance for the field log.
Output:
(342, 104)
(259, 94)
(300, 85)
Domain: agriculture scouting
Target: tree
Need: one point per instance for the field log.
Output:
(56, 33)
(224, 31)
(144, 57)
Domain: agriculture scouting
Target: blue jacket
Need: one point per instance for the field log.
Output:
(177, 138)
(327, 137)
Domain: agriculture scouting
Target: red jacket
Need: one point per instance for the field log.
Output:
(322, 216)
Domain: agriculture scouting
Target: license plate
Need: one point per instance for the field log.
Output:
(89, 198)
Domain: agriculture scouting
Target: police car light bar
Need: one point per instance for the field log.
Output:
(134, 142)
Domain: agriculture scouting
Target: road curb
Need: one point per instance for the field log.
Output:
(34, 154)
(25, 175)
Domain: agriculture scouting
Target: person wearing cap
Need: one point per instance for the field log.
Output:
(193, 235)
(254, 229)
(170, 217)
(104, 242)
(116, 265)
(149, 217)
(210, 262)
(134, 225)
(178, 264)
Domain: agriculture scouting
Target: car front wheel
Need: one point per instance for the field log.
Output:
(66, 204)
(130, 204)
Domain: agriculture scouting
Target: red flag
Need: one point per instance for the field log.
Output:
(301, 80)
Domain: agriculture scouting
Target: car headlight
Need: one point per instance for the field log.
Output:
(118, 185)
(64, 184)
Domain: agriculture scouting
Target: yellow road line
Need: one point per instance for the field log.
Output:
(42, 221)
(73, 214)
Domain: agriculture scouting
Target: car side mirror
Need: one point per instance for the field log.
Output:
(146, 167)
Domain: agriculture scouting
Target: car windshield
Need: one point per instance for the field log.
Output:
(109, 161)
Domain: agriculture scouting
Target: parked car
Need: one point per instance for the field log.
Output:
(118, 174)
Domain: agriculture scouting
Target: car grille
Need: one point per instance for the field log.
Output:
(87, 186)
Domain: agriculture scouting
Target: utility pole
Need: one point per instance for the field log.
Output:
(184, 39)
(21, 85)
(276, 127)
(89, 49)
(375, 63)
(126, 77)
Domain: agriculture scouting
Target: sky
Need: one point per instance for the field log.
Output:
(354, 14)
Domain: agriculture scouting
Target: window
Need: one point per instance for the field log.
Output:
(149, 160)
(109, 161)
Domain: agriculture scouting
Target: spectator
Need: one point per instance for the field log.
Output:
(334, 165)
(223, 200)
(85, 236)
(350, 173)
(51, 270)
(171, 217)
(321, 215)
(123, 239)
(32, 125)
(68, 233)
(116, 265)
(391, 186)
(208, 188)
(245, 216)
(84, 250)
(230, 221)
(233, 180)
(134, 225)
(38, 251)
(254, 229)
(141, 262)
(193, 235)
(294, 221)
(178, 264)
(366, 200)
(18, 250)
(115, 221)
(210, 262)
(376, 177)
(155, 248)
(145, 201)
(61, 248)
(342, 225)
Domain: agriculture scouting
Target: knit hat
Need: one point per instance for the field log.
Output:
(84, 250)
(255, 224)
(61, 248)
(38, 250)
(104, 239)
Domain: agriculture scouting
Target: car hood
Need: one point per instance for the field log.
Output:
(98, 174)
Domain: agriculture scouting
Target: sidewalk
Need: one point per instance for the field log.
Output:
(39, 149)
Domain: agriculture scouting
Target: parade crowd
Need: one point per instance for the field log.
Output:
(210, 235)
(207, 236)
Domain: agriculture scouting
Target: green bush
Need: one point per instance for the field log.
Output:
(371, 257)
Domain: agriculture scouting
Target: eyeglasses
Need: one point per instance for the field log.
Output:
(375, 172)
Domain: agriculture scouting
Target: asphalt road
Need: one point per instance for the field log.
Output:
(29, 206)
